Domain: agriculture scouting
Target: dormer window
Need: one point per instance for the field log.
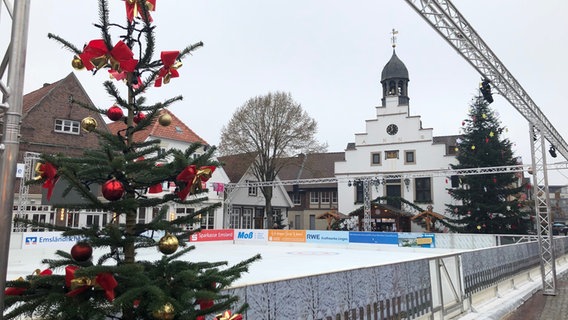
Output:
(67, 126)
(179, 130)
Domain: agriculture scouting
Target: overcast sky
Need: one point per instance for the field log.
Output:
(329, 55)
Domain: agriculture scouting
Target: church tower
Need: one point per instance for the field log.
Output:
(394, 78)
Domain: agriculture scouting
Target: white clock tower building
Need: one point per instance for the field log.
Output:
(394, 142)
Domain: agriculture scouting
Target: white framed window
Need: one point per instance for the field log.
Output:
(234, 219)
(247, 218)
(67, 126)
(184, 211)
(252, 191)
(423, 190)
(296, 199)
(334, 197)
(325, 198)
(314, 197)
(409, 157)
(375, 158)
(142, 215)
(93, 219)
(208, 220)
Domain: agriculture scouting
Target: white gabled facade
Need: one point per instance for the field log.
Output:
(248, 204)
(395, 142)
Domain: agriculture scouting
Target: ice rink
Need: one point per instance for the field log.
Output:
(279, 260)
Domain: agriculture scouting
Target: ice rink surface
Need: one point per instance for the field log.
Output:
(279, 261)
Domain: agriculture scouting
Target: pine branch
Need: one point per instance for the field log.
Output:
(66, 45)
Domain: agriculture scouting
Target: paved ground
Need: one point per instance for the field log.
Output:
(545, 307)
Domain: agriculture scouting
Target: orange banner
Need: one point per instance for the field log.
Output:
(287, 235)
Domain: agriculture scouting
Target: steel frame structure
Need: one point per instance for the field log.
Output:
(443, 17)
(369, 180)
(12, 65)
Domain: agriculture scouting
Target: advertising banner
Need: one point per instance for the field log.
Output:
(373, 237)
(336, 237)
(425, 240)
(287, 235)
(213, 235)
(251, 236)
(44, 239)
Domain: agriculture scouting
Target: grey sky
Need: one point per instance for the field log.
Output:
(328, 54)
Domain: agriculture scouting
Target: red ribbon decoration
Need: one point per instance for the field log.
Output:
(228, 316)
(16, 291)
(103, 280)
(193, 178)
(133, 8)
(169, 70)
(48, 172)
(122, 76)
(96, 55)
(204, 304)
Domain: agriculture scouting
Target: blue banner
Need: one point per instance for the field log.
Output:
(337, 237)
(373, 237)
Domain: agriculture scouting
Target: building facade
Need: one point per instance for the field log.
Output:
(394, 142)
(52, 124)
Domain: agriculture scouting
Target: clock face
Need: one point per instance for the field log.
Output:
(392, 129)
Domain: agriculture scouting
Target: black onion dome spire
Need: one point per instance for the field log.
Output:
(394, 79)
(394, 69)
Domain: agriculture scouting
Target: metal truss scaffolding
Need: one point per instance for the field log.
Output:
(13, 62)
(443, 17)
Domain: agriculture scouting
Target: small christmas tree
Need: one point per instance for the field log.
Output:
(117, 285)
(490, 203)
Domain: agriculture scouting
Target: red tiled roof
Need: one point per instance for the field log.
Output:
(177, 130)
(33, 98)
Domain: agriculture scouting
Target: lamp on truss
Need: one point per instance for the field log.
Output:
(406, 183)
(552, 151)
(485, 89)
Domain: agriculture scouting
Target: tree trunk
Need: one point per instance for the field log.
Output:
(267, 191)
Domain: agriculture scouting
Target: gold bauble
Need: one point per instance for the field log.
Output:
(166, 312)
(165, 119)
(77, 63)
(89, 124)
(168, 244)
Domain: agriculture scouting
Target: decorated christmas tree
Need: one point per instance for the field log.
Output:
(487, 203)
(118, 284)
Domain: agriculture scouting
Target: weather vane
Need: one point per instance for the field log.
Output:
(394, 32)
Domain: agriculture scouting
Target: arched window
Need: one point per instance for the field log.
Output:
(392, 88)
(400, 88)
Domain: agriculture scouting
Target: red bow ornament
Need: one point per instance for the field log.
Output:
(48, 172)
(169, 69)
(16, 291)
(228, 316)
(120, 57)
(193, 177)
(133, 8)
(103, 281)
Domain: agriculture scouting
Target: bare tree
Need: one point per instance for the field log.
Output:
(268, 129)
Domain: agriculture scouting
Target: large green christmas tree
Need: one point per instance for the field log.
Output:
(486, 203)
(116, 285)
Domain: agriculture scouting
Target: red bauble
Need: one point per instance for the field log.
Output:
(113, 190)
(139, 117)
(81, 251)
(115, 113)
